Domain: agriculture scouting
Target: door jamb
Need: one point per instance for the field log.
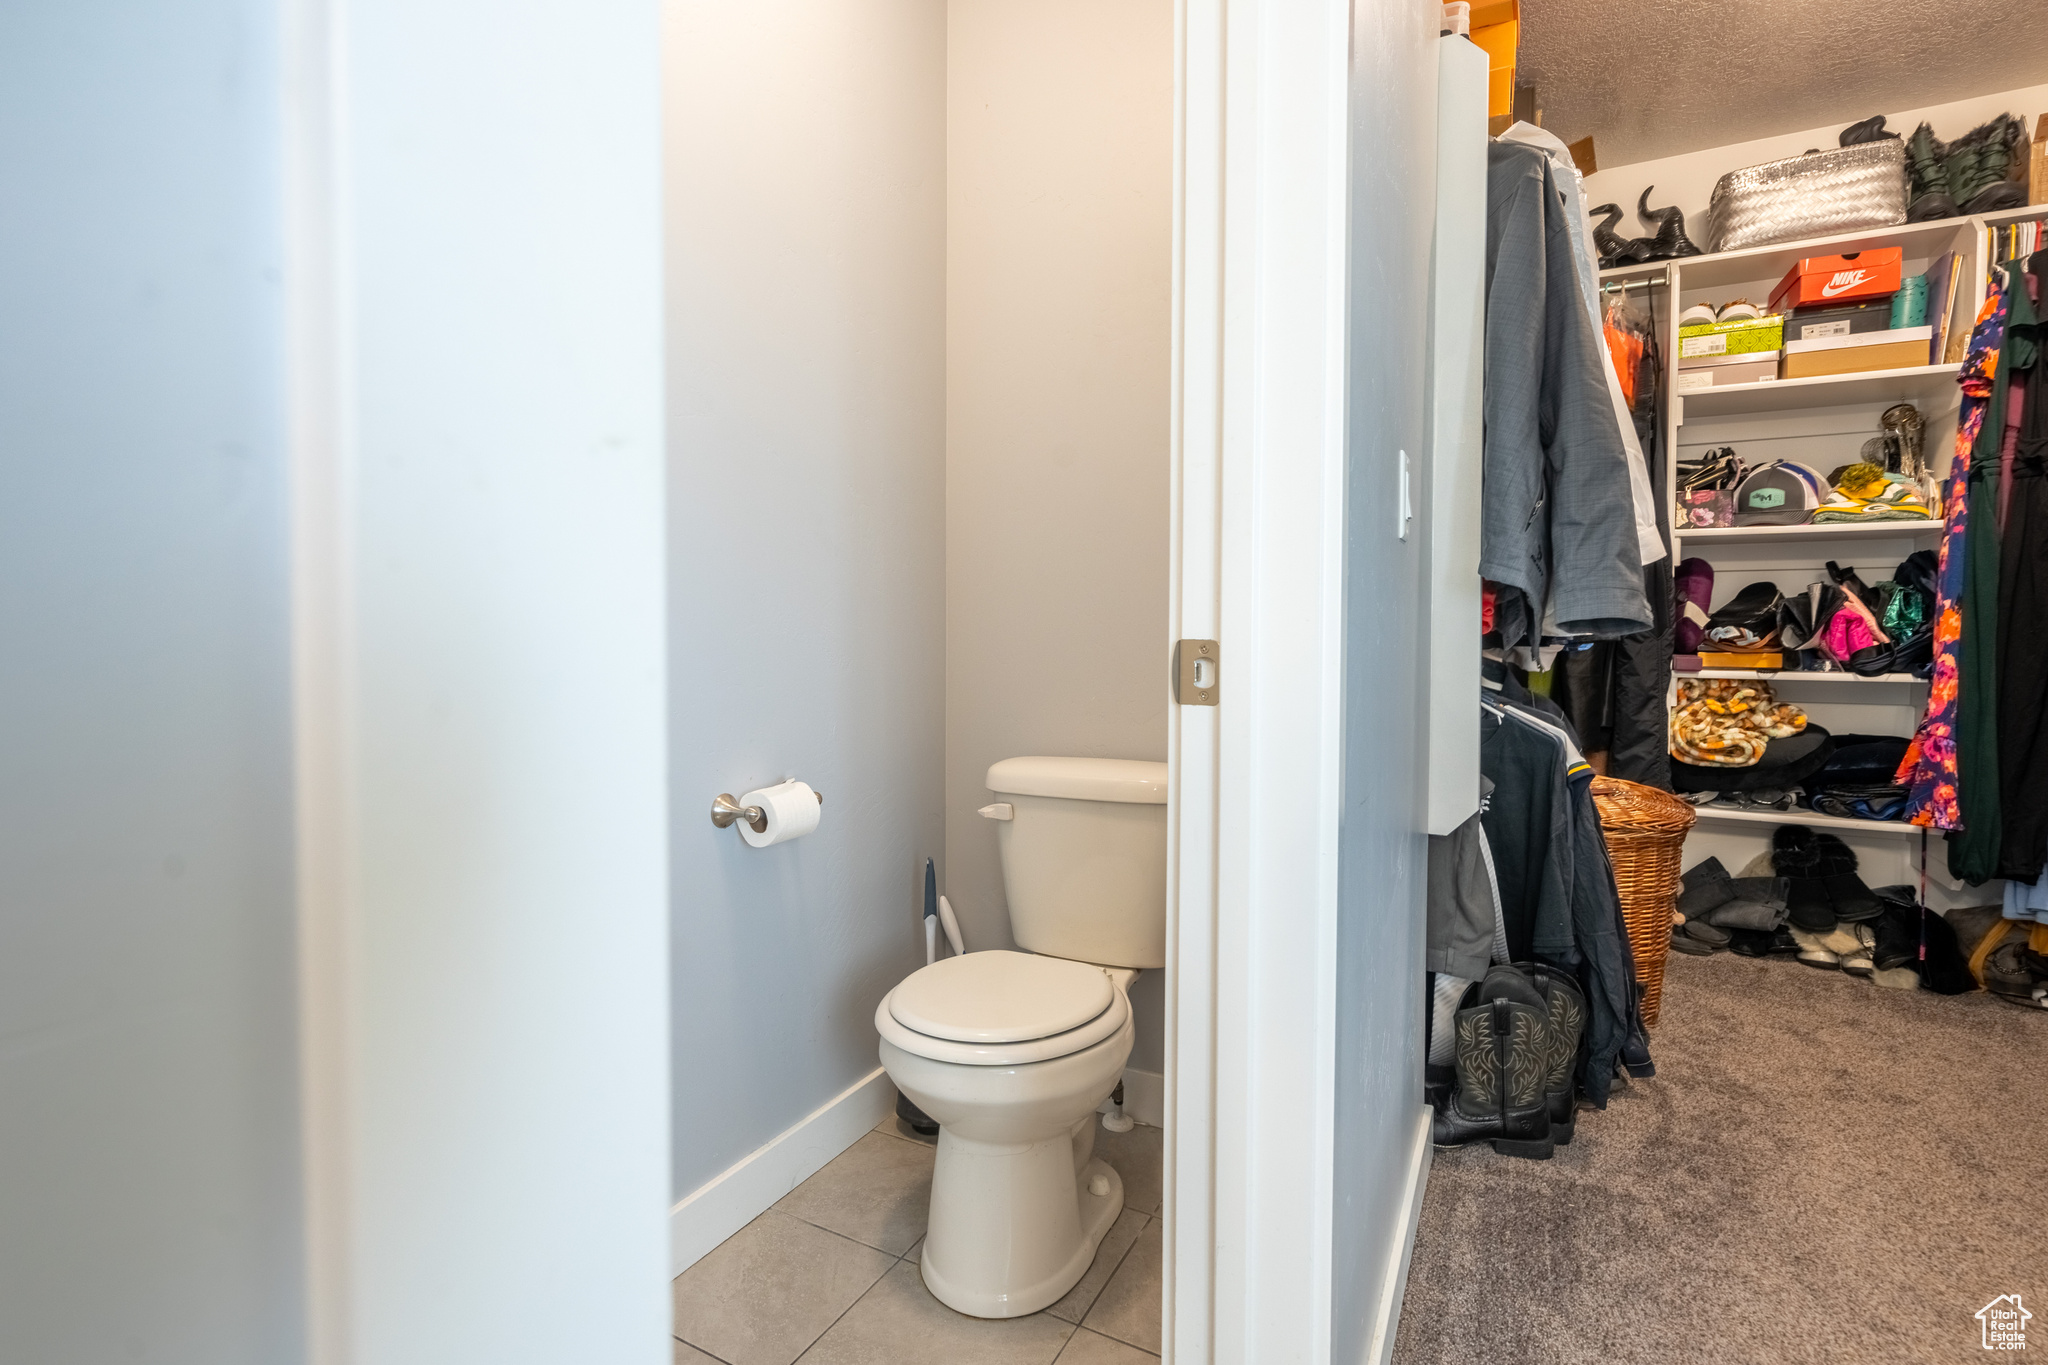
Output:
(1261, 195)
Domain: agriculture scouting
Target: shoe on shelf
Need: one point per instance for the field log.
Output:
(1682, 942)
(2011, 975)
(1807, 905)
(1814, 953)
(1715, 937)
(1858, 960)
(1897, 928)
(1927, 193)
(1741, 310)
(1980, 168)
(1699, 315)
(1853, 901)
(1745, 942)
(1503, 1063)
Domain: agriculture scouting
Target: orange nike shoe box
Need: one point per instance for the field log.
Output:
(1840, 279)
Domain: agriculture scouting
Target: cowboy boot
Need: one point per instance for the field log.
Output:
(1565, 1020)
(1502, 1063)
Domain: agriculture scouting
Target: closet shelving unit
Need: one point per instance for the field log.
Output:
(1822, 422)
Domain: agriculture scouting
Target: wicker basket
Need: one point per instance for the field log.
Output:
(1645, 831)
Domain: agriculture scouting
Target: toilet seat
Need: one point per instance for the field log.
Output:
(1001, 1008)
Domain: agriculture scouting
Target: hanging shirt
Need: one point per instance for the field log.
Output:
(1571, 186)
(1557, 519)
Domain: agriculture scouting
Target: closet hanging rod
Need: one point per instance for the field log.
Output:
(1655, 282)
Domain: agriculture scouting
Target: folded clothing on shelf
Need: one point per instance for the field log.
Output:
(1880, 802)
(1863, 492)
(1748, 621)
(1725, 723)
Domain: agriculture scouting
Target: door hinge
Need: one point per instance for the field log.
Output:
(1194, 672)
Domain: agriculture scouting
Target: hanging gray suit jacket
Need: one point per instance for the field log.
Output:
(1558, 520)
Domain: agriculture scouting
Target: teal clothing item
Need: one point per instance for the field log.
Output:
(1973, 850)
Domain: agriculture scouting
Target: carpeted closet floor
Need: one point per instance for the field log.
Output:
(1821, 1170)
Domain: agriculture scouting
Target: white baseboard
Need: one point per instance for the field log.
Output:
(736, 1196)
(1144, 1097)
(1388, 1319)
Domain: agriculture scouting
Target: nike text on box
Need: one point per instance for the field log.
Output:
(1840, 279)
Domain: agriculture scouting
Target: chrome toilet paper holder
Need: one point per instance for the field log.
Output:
(725, 810)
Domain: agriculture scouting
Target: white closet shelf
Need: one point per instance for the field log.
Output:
(1799, 676)
(1931, 388)
(1827, 530)
(1729, 269)
(2020, 215)
(1806, 817)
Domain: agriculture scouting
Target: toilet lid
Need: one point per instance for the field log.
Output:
(1000, 997)
(991, 1016)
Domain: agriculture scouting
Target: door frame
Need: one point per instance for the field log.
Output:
(1258, 464)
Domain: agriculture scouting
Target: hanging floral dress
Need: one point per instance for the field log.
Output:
(1929, 767)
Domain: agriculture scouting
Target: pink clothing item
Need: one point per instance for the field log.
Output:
(1846, 633)
(1851, 628)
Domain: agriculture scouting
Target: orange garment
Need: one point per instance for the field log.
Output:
(1625, 350)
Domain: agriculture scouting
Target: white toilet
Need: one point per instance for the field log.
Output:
(1012, 1052)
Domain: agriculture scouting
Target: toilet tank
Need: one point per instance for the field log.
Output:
(1084, 857)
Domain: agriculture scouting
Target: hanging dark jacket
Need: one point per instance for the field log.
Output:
(1557, 517)
(1973, 851)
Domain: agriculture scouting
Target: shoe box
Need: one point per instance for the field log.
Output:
(1719, 371)
(1847, 278)
(1838, 320)
(1718, 340)
(1893, 349)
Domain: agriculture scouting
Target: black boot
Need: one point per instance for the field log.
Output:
(1566, 1024)
(1503, 1060)
(1635, 1043)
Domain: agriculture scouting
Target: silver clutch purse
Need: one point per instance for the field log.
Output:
(1809, 196)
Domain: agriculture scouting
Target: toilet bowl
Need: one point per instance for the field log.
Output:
(1018, 1203)
(1011, 1052)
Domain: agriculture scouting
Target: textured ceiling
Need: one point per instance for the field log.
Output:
(1659, 77)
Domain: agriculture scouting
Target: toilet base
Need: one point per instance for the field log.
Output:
(962, 1261)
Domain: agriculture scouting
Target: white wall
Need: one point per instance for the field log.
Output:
(478, 443)
(1058, 350)
(1688, 180)
(805, 165)
(149, 1180)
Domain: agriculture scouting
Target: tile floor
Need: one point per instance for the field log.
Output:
(829, 1275)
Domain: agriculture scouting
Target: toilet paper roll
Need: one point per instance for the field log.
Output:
(791, 808)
